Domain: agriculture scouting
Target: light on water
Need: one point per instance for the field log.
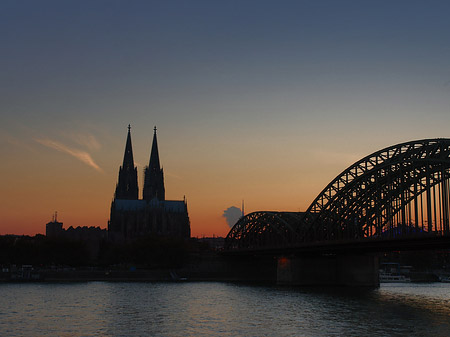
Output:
(222, 309)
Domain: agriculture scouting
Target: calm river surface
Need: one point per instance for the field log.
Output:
(221, 309)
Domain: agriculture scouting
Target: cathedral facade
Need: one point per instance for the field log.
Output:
(132, 217)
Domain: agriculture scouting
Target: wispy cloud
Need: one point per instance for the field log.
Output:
(80, 155)
(16, 142)
(86, 140)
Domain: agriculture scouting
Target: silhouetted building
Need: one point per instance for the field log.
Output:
(90, 236)
(54, 228)
(131, 217)
(214, 243)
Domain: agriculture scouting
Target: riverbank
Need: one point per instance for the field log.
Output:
(205, 267)
(131, 275)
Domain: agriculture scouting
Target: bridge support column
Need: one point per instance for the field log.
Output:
(334, 270)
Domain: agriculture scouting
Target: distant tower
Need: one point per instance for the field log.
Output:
(54, 228)
(127, 187)
(154, 176)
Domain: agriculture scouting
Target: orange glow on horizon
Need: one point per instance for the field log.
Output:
(46, 179)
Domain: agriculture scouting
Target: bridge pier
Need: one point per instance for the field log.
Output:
(335, 270)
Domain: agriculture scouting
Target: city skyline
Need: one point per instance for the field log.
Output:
(253, 100)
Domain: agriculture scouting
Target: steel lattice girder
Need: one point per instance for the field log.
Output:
(263, 229)
(387, 173)
(372, 189)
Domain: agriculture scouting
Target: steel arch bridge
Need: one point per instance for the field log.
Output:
(400, 191)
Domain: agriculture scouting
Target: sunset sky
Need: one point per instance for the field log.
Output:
(262, 101)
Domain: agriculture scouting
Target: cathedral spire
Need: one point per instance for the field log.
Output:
(128, 161)
(154, 156)
(154, 176)
(127, 187)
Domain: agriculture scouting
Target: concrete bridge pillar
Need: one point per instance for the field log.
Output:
(335, 270)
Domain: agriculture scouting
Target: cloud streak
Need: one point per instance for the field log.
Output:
(80, 155)
(86, 140)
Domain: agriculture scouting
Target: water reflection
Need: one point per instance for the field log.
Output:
(206, 309)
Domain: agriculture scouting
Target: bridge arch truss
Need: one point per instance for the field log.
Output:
(398, 191)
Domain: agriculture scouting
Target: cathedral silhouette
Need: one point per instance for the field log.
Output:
(132, 217)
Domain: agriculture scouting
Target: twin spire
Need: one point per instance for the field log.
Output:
(154, 176)
(154, 155)
(127, 187)
(128, 160)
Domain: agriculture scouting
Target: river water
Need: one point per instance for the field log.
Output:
(221, 309)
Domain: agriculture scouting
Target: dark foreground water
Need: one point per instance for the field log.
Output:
(221, 309)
